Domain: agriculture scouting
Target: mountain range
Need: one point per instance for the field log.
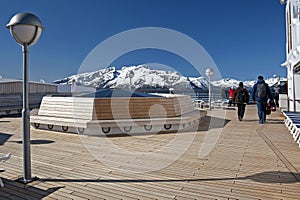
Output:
(142, 76)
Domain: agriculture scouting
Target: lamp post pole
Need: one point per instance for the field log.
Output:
(130, 83)
(209, 73)
(26, 28)
(209, 92)
(131, 75)
(26, 119)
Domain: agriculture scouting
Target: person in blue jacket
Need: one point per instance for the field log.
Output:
(260, 94)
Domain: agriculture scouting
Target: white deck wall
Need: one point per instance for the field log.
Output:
(293, 53)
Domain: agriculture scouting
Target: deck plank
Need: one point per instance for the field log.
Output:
(242, 164)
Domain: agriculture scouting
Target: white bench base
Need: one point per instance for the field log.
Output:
(121, 126)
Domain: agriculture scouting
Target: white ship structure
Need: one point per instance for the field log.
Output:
(292, 62)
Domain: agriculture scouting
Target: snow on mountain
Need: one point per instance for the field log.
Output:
(226, 82)
(200, 82)
(143, 77)
(95, 79)
(272, 81)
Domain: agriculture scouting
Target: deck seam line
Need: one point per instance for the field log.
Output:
(278, 153)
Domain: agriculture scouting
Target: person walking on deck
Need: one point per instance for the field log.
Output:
(231, 93)
(260, 94)
(241, 98)
(276, 94)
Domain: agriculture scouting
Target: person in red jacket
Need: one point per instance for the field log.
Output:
(231, 93)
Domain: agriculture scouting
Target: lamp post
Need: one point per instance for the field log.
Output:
(26, 28)
(209, 73)
(131, 75)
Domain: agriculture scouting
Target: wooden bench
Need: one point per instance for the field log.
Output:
(63, 111)
(119, 114)
(147, 125)
(140, 107)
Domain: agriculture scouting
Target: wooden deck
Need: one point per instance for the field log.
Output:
(249, 161)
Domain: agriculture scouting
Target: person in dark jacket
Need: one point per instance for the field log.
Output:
(260, 94)
(241, 98)
(276, 94)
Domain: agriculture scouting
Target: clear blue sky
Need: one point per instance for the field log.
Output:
(244, 38)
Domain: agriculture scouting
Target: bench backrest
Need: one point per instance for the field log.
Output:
(67, 107)
(142, 107)
(116, 108)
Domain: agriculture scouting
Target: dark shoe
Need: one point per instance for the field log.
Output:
(240, 119)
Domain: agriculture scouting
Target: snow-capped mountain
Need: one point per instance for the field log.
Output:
(228, 82)
(142, 76)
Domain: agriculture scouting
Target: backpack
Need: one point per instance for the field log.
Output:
(242, 97)
(261, 90)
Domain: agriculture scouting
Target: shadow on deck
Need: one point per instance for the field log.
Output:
(264, 177)
(16, 190)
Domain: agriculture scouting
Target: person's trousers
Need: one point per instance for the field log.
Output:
(261, 111)
(241, 110)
